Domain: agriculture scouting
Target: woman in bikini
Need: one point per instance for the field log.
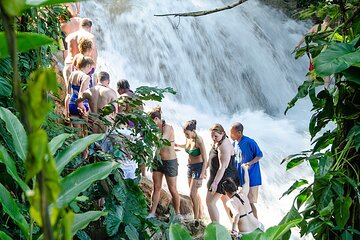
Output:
(168, 166)
(197, 160)
(244, 221)
(222, 166)
(79, 81)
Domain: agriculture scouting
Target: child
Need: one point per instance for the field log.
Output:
(244, 222)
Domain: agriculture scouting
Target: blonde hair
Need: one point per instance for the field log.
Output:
(85, 44)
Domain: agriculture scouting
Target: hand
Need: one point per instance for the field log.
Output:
(213, 187)
(245, 166)
(198, 182)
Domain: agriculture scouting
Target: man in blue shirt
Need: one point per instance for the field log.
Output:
(247, 152)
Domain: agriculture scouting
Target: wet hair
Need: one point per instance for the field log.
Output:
(229, 185)
(218, 129)
(123, 84)
(84, 61)
(103, 76)
(190, 125)
(85, 44)
(155, 112)
(238, 127)
(86, 22)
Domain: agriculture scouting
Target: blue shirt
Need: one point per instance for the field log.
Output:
(248, 150)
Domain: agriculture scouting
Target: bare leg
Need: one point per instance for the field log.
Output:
(327, 81)
(224, 199)
(211, 199)
(157, 181)
(171, 182)
(194, 197)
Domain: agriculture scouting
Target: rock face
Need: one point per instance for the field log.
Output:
(165, 200)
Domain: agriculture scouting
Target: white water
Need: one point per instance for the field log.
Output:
(230, 66)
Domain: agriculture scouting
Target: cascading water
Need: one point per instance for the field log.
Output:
(234, 65)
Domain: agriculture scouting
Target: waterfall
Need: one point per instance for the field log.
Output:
(235, 65)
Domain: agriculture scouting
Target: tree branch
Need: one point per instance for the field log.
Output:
(201, 13)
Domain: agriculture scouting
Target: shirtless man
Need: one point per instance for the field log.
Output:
(324, 26)
(68, 25)
(73, 41)
(98, 96)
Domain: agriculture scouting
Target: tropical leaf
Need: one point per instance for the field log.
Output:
(57, 142)
(322, 192)
(9, 206)
(83, 219)
(79, 180)
(11, 168)
(14, 7)
(113, 219)
(272, 233)
(336, 58)
(177, 232)
(131, 232)
(17, 131)
(215, 231)
(295, 185)
(5, 87)
(342, 210)
(66, 155)
(41, 3)
(4, 236)
(25, 42)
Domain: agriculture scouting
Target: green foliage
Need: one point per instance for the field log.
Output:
(177, 232)
(83, 219)
(330, 203)
(215, 231)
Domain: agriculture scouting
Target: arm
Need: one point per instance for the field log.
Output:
(203, 156)
(235, 220)
(224, 154)
(77, 8)
(255, 160)
(79, 101)
(312, 30)
(246, 186)
(84, 85)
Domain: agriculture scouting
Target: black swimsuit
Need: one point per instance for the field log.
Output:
(242, 202)
(230, 171)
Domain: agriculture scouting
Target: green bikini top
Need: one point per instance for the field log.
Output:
(193, 152)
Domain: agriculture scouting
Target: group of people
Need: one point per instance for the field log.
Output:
(229, 164)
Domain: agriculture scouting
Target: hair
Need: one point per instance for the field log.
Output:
(229, 185)
(85, 44)
(86, 22)
(190, 125)
(84, 61)
(155, 112)
(238, 126)
(123, 84)
(218, 129)
(103, 76)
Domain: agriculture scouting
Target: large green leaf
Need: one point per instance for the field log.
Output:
(17, 131)
(338, 57)
(113, 219)
(57, 142)
(66, 155)
(37, 3)
(83, 219)
(342, 210)
(272, 233)
(322, 192)
(295, 185)
(9, 206)
(13, 8)
(177, 232)
(25, 42)
(4, 236)
(11, 168)
(131, 232)
(215, 231)
(5, 87)
(79, 180)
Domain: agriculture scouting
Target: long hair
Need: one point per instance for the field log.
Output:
(218, 129)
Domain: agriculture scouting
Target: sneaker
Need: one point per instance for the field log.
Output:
(179, 217)
(150, 216)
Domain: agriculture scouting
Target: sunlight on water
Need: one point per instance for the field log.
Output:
(231, 66)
